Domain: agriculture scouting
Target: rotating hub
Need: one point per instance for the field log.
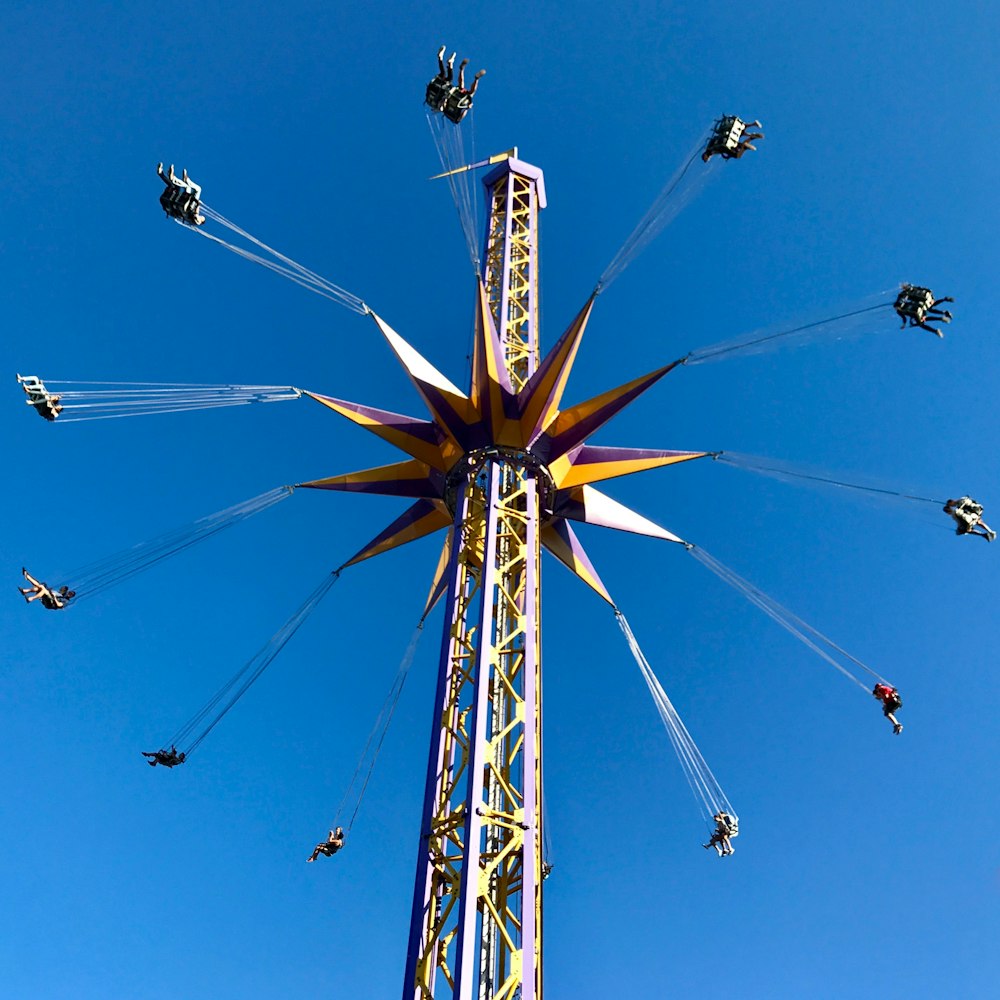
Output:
(473, 463)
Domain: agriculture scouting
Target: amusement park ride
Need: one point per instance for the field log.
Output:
(504, 470)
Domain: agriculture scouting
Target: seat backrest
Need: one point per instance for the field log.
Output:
(437, 93)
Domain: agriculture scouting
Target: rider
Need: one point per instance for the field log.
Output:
(440, 86)
(726, 827)
(168, 758)
(891, 702)
(329, 847)
(461, 78)
(968, 516)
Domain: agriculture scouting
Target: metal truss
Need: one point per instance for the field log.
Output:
(510, 271)
(476, 923)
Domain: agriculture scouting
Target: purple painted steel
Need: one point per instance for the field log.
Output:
(564, 530)
(468, 942)
(551, 445)
(436, 764)
(592, 454)
(428, 487)
(423, 518)
(512, 166)
(424, 430)
(531, 862)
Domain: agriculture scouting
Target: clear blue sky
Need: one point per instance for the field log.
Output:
(867, 866)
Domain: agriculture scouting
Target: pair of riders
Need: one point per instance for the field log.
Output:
(45, 404)
(730, 138)
(54, 599)
(453, 101)
(726, 827)
(916, 306)
(181, 199)
(968, 517)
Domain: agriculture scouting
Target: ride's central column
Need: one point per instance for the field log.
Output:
(476, 922)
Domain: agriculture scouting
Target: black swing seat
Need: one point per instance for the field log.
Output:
(913, 302)
(181, 202)
(437, 93)
(458, 105)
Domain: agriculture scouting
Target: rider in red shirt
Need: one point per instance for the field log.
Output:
(891, 702)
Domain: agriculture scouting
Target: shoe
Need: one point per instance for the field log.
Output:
(897, 729)
(441, 52)
(464, 62)
(706, 846)
(482, 72)
(990, 535)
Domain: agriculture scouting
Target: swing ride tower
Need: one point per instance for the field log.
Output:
(476, 923)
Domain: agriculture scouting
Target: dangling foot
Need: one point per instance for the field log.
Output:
(706, 846)
(897, 729)
(309, 860)
(481, 73)
(441, 53)
(990, 535)
(463, 64)
(451, 60)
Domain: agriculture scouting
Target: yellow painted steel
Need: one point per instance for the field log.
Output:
(542, 405)
(398, 472)
(434, 520)
(499, 593)
(503, 814)
(566, 472)
(440, 456)
(497, 883)
(496, 158)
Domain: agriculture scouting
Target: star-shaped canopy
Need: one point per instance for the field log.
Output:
(495, 414)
